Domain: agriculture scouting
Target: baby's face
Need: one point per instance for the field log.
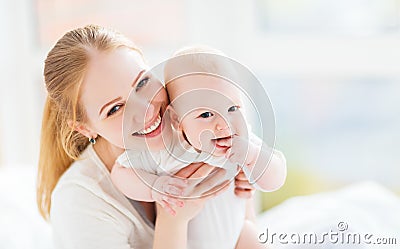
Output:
(209, 111)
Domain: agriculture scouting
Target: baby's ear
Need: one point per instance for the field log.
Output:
(174, 117)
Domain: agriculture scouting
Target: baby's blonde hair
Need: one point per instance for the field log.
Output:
(198, 59)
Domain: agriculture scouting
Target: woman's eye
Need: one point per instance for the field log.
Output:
(206, 115)
(113, 110)
(233, 108)
(142, 83)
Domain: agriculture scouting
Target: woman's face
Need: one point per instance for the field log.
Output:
(116, 82)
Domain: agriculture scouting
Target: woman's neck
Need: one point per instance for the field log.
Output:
(107, 152)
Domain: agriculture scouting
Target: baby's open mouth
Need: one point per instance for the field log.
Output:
(151, 128)
(223, 142)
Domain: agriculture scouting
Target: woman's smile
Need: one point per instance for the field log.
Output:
(152, 128)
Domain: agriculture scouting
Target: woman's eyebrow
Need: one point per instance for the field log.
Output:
(119, 98)
(109, 103)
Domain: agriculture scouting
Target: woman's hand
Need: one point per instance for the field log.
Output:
(171, 231)
(201, 187)
(197, 169)
(243, 188)
(191, 207)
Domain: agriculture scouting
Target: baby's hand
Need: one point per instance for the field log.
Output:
(243, 151)
(165, 191)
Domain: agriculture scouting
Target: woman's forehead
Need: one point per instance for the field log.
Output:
(110, 75)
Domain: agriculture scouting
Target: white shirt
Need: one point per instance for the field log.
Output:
(89, 212)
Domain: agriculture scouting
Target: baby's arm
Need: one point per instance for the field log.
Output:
(263, 165)
(141, 185)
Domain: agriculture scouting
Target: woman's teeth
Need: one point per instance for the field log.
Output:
(153, 127)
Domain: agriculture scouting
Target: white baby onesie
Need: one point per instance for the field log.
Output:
(220, 222)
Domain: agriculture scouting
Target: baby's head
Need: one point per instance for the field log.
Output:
(206, 105)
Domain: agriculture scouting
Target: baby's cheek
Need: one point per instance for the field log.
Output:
(205, 141)
(240, 128)
(193, 137)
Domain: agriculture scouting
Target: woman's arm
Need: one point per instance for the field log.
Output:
(250, 211)
(171, 232)
(249, 237)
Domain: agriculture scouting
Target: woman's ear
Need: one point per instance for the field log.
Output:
(174, 118)
(82, 129)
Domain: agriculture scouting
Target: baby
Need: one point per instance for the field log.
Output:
(208, 126)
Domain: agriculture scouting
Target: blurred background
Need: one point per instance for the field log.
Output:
(331, 69)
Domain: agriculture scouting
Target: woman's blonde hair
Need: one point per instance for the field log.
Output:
(64, 71)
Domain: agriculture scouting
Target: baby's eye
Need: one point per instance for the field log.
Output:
(142, 83)
(206, 115)
(233, 108)
(113, 110)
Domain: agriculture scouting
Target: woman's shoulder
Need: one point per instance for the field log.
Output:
(87, 181)
(85, 204)
(77, 189)
(88, 172)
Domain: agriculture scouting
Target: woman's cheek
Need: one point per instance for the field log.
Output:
(118, 129)
(114, 131)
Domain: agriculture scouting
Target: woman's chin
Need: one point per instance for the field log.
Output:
(154, 146)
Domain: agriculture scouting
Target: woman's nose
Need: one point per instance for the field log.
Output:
(149, 112)
(146, 113)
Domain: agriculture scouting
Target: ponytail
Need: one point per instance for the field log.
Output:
(53, 161)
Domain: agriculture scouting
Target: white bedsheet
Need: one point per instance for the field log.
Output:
(363, 208)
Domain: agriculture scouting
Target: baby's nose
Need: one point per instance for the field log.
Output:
(221, 124)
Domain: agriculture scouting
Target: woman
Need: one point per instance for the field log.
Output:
(88, 75)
